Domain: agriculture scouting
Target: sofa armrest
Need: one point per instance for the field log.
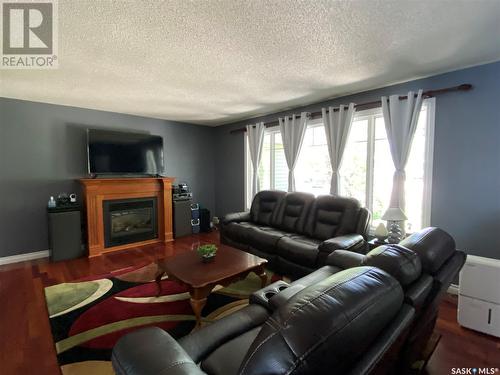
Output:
(151, 351)
(236, 217)
(347, 242)
(364, 221)
(345, 259)
(417, 293)
(282, 298)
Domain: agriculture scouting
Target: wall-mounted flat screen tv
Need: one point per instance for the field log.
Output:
(115, 152)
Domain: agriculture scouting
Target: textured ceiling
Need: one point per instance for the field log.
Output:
(214, 62)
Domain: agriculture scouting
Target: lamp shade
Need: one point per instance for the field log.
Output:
(394, 214)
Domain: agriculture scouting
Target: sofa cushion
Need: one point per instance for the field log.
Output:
(292, 212)
(332, 216)
(201, 343)
(299, 249)
(265, 205)
(264, 238)
(238, 231)
(227, 358)
(162, 355)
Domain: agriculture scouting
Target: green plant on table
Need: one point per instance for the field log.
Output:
(208, 250)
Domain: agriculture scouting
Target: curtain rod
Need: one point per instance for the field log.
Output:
(375, 104)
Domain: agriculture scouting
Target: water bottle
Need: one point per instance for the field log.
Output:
(52, 202)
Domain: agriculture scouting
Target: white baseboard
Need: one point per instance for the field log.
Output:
(453, 289)
(24, 257)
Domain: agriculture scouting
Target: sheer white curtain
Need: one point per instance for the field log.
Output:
(292, 134)
(337, 123)
(401, 118)
(255, 141)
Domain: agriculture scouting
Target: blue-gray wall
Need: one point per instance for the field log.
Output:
(466, 176)
(43, 151)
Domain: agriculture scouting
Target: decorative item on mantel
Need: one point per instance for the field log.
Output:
(381, 233)
(52, 202)
(395, 217)
(207, 252)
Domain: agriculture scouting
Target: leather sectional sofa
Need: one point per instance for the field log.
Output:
(359, 314)
(296, 232)
(430, 253)
(329, 327)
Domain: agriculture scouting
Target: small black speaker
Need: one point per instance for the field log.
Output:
(204, 220)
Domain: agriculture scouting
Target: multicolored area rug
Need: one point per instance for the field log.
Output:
(88, 317)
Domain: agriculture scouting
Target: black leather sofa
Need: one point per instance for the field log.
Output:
(342, 324)
(296, 232)
(431, 253)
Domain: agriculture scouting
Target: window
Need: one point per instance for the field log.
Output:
(313, 172)
(367, 168)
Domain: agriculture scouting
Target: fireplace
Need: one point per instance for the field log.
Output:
(129, 220)
(125, 213)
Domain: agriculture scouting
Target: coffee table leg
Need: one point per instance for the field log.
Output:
(261, 272)
(158, 283)
(198, 301)
(198, 305)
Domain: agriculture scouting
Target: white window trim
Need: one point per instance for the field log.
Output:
(428, 167)
(245, 171)
(369, 115)
(272, 134)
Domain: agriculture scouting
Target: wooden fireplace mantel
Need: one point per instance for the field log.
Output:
(97, 190)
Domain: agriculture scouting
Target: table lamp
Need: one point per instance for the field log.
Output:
(394, 217)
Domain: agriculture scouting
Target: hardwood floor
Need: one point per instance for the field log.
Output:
(26, 345)
(461, 347)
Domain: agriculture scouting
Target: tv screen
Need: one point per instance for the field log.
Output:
(115, 152)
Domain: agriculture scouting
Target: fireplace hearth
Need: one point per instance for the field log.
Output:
(129, 220)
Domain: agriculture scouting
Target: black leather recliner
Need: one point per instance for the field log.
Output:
(431, 253)
(296, 232)
(345, 323)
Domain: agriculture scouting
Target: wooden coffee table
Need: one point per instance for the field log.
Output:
(229, 266)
